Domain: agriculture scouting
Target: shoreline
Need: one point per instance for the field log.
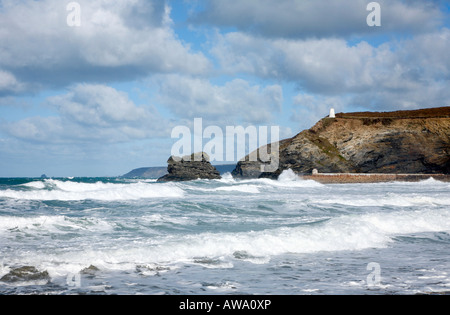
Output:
(360, 178)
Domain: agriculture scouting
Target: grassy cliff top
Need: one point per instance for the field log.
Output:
(438, 112)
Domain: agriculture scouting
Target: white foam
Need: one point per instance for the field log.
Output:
(249, 189)
(431, 181)
(286, 183)
(227, 178)
(217, 250)
(409, 222)
(36, 185)
(350, 232)
(347, 232)
(288, 176)
(52, 224)
(158, 219)
(344, 233)
(4, 270)
(287, 179)
(389, 199)
(67, 190)
(233, 186)
(223, 287)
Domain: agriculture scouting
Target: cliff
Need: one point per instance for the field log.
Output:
(407, 142)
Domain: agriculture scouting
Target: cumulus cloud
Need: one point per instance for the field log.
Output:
(409, 73)
(9, 83)
(318, 18)
(98, 105)
(310, 108)
(319, 65)
(117, 40)
(236, 100)
(90, 114)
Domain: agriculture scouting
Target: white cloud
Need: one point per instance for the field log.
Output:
(236, 100)
(325, 65)
(37, 129)
(117, 40)
(9, 83)
(411, 73)
(91, 114)
(310, 108)
(98, 105)
(318, 18)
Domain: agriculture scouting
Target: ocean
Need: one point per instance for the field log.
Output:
(223, 237)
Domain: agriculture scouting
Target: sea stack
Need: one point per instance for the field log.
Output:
(190, 167)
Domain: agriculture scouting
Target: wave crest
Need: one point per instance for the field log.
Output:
(51, 189)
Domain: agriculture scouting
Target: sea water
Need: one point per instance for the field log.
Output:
(206, 237)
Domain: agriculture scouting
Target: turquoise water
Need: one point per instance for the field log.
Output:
(128, 236)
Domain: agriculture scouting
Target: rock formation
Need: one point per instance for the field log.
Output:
(391, 142)
(191, 167)
(25, 273)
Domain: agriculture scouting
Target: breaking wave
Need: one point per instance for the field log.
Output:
(287, 179)
(67, 190)
(219, 250)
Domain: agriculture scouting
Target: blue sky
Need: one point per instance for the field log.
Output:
(102, 98)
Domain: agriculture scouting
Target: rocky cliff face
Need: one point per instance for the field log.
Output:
(195, 166)
(394, 142)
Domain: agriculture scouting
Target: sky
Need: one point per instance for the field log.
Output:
(95, 87)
